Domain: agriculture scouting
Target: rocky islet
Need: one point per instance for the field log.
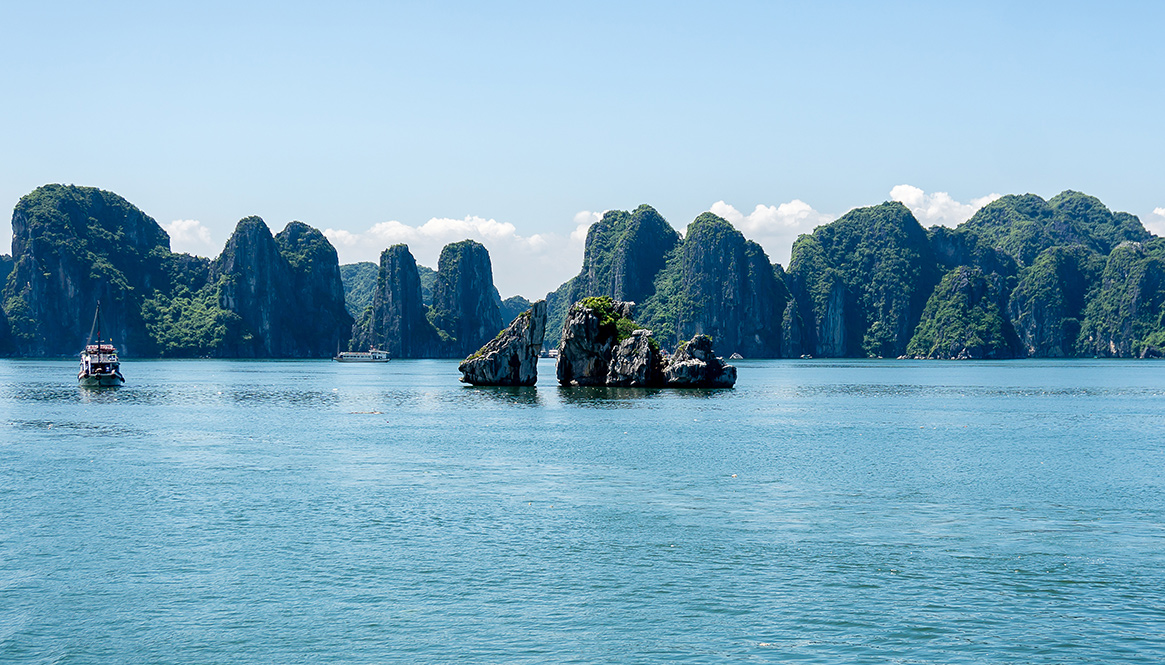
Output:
(601, 345)
(511, 358)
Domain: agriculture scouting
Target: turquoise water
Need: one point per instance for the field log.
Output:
(821, 512)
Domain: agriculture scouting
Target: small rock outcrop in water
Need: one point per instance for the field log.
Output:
(636, 362)
(695, 365)
(511, 358)
(602, 346)
(589, 335)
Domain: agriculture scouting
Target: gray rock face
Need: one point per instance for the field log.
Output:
(590, 353)
(1047, 304)
(862, 281)
(316, 318)
(635, 362)
(587, 341)
(695, 365)
(255, 285)
(5, 335)
(511, 358)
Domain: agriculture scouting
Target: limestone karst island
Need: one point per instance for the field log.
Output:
(1023, 277)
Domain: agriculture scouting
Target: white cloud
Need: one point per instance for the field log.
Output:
(526, 265)
(1156, 222)
(583, 221)
(774, 227)
(190, 236)
(938, 208)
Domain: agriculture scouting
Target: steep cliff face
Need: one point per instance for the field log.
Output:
(318, 323)
(717, 283)
(73, 246)
(862, 281)
(964, 319)
(821, 303)
(396, 320)
(6, 265)
(1047, 305)
(285, 290)
(625, 251)
(428, 281)
(466, 307)
(791, 323)
(1125, 318)
(255, 282)
(6, 345)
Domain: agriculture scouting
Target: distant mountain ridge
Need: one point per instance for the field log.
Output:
(263, 296)
(1024, 277)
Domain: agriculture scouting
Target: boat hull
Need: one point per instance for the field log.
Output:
(360, 360)
(100, 381)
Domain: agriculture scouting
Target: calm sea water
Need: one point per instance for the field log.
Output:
(821, 512)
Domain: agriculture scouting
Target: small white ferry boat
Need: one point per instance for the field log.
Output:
(100, 367)
(372, 355)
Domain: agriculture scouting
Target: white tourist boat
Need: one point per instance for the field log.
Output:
(372, 355)
(100, 367)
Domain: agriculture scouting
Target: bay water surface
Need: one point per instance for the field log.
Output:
(820, 512)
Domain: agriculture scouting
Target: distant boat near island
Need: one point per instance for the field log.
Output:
(372, 355)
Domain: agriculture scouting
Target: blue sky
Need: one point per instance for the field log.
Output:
(517, 123)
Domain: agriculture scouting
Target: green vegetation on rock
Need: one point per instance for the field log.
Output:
(964, 319)
(1061, 277)
(359, 285)
(72, 247)
(864, 279)
(466, 307)
(1048, 302)
(428, 280)
(1025, 225)
(193, 324)
(718, 283)
(512, 307)
(75, 246)
(1126, 315)
(611, 322)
